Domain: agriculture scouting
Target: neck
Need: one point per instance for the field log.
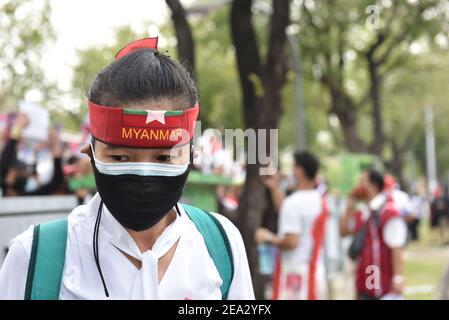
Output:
(146, 239)
(305, 184)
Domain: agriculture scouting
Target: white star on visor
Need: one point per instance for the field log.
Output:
(155, 115)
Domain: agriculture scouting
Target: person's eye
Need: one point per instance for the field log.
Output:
(120, 158)
(164, 158)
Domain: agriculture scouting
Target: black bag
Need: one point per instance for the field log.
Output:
(357, 243)
(359, 238)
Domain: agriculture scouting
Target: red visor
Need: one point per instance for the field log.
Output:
(141, 128)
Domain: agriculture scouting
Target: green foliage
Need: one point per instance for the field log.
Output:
(337, 39)
(421, 82)
(336, 36)
(217, 71)
(26, 30)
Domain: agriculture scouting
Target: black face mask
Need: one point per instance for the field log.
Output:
(139, 202)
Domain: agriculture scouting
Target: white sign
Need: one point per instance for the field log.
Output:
(39, 121)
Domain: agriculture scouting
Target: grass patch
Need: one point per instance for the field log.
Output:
(424, 264)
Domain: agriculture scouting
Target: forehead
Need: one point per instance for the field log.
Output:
(110, 148)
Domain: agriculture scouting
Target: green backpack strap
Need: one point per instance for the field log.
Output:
(46, 261)
(217, 244)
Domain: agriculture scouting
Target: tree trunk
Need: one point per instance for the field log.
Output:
(348, 123)
(186, 48)
(375, 92)
(396, 164)
(262, 109)
(343, 107)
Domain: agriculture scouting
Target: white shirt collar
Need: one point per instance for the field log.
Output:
(120, 238)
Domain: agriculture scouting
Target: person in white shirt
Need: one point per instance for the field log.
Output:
(133, 240)
(300, 272)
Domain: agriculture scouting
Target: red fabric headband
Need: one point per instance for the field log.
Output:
(141, 128)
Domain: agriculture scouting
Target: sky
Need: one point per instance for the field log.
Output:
(80, 24)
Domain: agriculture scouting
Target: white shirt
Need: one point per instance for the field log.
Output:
(191, 273)
(298, 213)
(403, 202)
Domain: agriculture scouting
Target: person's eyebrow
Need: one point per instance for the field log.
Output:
(175, 151)
(114, 148)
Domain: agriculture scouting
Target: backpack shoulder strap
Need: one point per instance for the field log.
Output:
(217, 244)
(46, 261)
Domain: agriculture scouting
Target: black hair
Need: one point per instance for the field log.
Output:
(376, 178)
(141, 76)
(73, 160)
(308, 162)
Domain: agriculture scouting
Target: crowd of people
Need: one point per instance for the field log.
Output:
(380, 217)
(36, 168)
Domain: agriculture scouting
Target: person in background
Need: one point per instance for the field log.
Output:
(228, 197)
(402, 201)
(300, 272)
(439, 214)
(15, 175)
(379, 262)
(418, 204)
(273, 184)
(80, 179)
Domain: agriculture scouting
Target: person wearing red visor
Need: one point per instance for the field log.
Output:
(134, 240)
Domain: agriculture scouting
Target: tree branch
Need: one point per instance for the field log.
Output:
(310, 17)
